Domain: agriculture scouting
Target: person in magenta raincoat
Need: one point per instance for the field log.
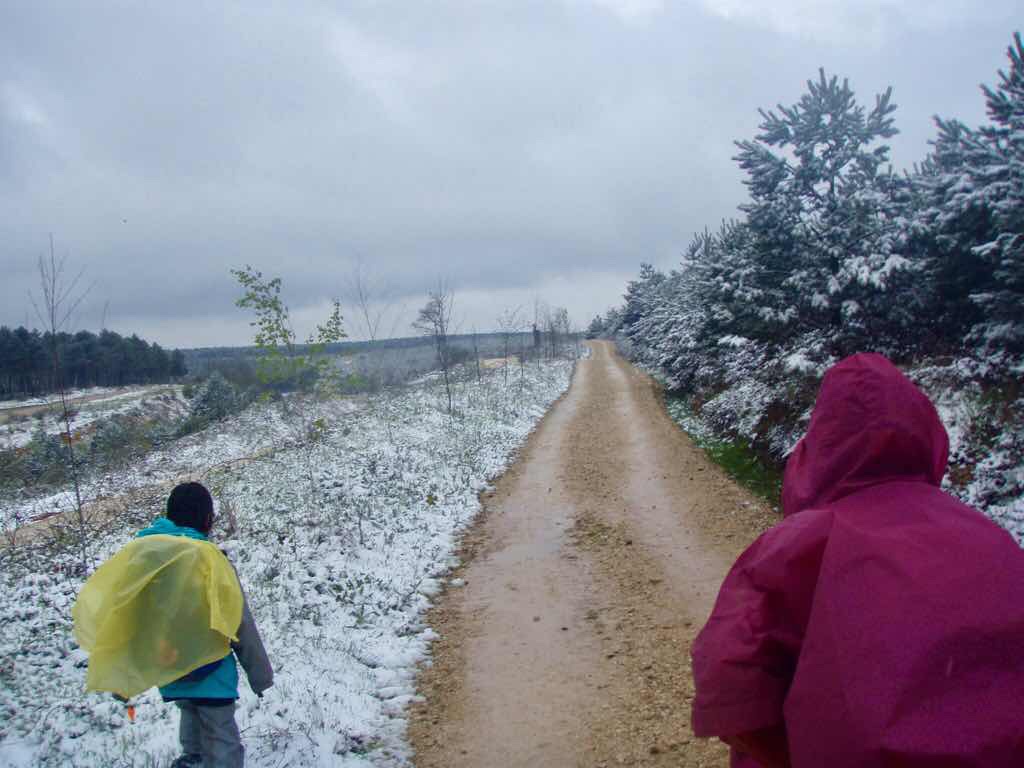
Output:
(881, 623)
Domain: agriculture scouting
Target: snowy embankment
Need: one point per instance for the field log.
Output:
(21, 419)
(339, 545)
(248, 435)
(71, 394)
(764, 399)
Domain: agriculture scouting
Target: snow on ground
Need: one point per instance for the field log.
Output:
(51, 399)
(986, 442)
(88, 406)
(339, 546)
(247, 434)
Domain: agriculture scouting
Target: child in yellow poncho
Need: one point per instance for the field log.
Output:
(168, 610)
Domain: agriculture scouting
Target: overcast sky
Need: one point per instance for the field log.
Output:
(519, 149)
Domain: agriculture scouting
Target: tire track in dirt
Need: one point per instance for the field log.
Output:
(595, 561)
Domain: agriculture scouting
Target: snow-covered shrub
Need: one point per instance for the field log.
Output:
(110, 440)
(46, 457)
(216, 399)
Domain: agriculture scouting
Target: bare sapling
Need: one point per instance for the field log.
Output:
(373, 316)
(510, 322)
(59, 299)
(558, 329)
(476, 355)
(539, 309)
(522, 361)
(434, 321)
(371, 300)
(373, 312)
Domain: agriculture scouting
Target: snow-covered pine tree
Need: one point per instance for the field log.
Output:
(688, 311)
(671, 332)
(613, 321)
(969, 194)
(639, 293)
(683, 321)
(648, 303)
(596, 328)
(820, 192)
(995, 163)
(890, 286)
(736, 286)
(948, 221)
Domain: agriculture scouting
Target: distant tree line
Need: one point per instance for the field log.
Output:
(86, 359)
(367, 365)
(200, 359)
(835, 252)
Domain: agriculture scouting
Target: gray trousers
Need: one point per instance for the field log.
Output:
(212, 733)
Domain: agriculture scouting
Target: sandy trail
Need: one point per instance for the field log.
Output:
(596, 559)
(8, 412)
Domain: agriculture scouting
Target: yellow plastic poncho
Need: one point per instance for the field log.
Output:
(160, 608)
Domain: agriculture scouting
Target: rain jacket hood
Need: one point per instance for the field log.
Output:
(880, 622)
(870, 425)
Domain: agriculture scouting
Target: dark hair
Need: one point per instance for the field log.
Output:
(190, 505)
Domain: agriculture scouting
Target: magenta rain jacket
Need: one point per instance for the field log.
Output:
(881, 620)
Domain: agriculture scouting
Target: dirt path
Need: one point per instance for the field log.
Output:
(53, 404)
(16, 413)
(596, 560)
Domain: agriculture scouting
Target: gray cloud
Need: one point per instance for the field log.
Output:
(511, 147)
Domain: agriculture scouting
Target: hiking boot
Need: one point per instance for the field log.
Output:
(188, 761)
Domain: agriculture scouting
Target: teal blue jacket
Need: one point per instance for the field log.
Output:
(220, 683)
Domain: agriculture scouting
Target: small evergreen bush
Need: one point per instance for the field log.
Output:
(216, 399)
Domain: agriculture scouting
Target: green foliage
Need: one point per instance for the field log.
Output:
(114, 442)
(47, 458)
(13, 470)
(85, 360)
(284, 363)
(993, 410)
(123, 438)
(111, 439)
(822, 213)
(242, 372)
(216, 399)
(317, 430)
(740, 461)
(744, 466)
(355, 383)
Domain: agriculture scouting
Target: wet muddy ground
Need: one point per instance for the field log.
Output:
(595, 562)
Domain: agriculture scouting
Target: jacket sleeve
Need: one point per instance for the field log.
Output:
(745, 656)
(250, 651)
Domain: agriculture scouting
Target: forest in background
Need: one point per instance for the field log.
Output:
(85, 360)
